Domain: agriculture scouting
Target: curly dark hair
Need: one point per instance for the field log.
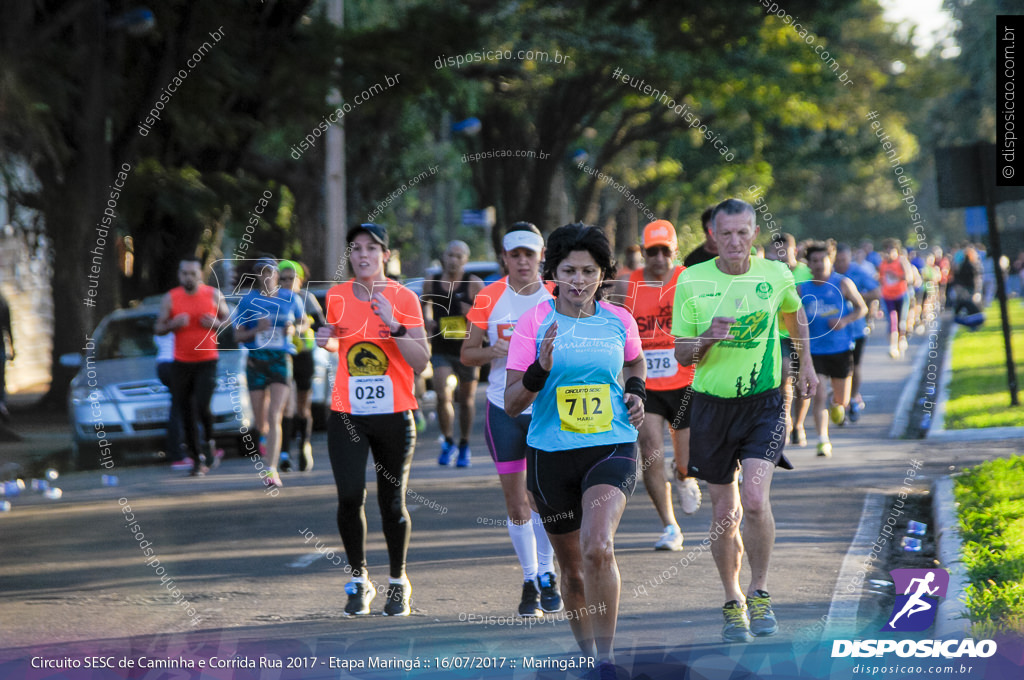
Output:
(574, 237)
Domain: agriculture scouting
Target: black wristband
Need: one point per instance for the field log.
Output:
(638, 387)
(402, 330)
(535, 377)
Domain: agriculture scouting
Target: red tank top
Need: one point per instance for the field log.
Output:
(194, 342)
(893, 280)
(651, 306)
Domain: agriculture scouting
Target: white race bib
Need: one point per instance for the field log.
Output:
(275, 338)
(661, 363)
(371, 395)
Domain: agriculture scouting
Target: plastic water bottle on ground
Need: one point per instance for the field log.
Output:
(910, 544)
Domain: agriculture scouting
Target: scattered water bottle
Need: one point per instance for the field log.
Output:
(53, 493)
(916, 528)
(13, 488)
(5, 506)
(52, 474)
(40, 485)
(911, 544)
(109, 480)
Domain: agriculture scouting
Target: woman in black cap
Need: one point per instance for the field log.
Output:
(376, 326)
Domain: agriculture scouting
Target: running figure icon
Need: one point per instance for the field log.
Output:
(917, 603)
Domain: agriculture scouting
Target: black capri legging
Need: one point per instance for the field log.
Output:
(392, 438)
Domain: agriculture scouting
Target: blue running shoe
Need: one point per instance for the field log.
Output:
(465, 457)
(447, 450)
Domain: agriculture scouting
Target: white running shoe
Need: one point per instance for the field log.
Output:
(689, 495)
(671, 539)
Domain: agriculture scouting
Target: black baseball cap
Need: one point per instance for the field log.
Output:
(376, 232)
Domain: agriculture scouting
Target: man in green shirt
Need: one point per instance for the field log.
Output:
(725, 316)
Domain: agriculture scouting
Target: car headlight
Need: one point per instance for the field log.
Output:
(84, 394)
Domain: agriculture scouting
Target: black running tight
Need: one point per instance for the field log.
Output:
(392, 438)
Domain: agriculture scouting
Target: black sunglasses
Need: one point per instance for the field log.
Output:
(655, 250)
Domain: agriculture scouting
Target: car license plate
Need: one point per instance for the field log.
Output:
(154, 414)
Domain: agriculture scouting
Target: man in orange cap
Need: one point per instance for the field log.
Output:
(648, 294)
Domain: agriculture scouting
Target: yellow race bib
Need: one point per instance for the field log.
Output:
(585, 409)
(454, 327)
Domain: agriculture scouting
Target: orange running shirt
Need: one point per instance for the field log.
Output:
(650, 303)
(893, 279)
(373, 377)
(194, 342)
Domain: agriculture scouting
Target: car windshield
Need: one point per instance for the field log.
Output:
(127, 338)
(132, 337)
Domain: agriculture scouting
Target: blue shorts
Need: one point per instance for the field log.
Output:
(506, 439)
(267, 366)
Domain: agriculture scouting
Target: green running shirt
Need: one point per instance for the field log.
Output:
(750, 363)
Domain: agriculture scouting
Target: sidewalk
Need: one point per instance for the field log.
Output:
(35, 438)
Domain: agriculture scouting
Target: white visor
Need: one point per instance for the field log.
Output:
(522, 239)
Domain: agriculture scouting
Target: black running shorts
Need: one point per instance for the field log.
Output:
(839, 365)
(724, 432)
(558, 480)
(672, 405)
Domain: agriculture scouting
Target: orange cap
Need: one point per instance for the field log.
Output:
(660, 233)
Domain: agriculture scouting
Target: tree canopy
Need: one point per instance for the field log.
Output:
(208, 105)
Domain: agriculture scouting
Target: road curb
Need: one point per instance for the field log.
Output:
(842, 612)
(945, 376)
(951, 621)
(901, 416)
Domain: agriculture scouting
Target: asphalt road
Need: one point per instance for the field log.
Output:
(76, 582)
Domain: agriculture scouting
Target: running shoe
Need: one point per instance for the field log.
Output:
(360, 594)
(446, 454)
(737, 625)
(605, 670)
(218, 456)
(529, 603)
(825, 449)
(198, 471)
(903, 345)
(397, 599)
(284, 464)
(184, 464)
(893, 352)
(550, 599)
(854, 413)
(798, 437)
(306, 459)
(421, 422)
(689, 495)
(273, 480)
(762, 618)
(836, 413)
(671, 539)
(465, 457)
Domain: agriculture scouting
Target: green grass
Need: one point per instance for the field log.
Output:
(991, 499)
(978, 394)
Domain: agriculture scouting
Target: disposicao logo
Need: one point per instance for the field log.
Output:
(917, 601)
(915, 609)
